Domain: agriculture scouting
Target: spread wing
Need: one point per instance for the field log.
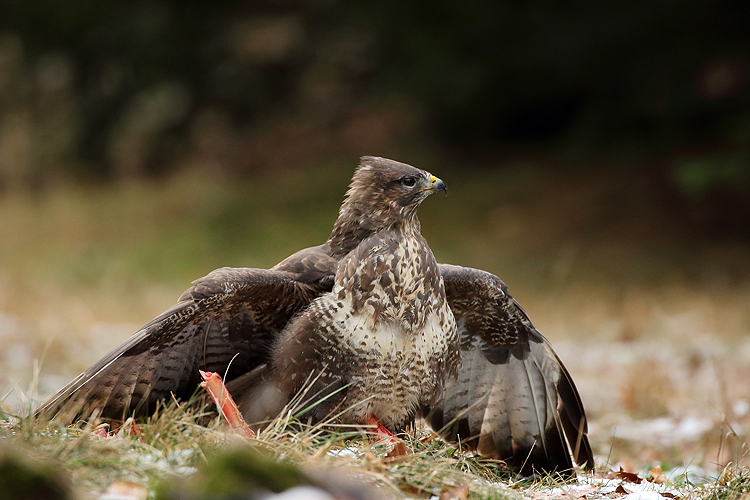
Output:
(513, 398)
(226, 322)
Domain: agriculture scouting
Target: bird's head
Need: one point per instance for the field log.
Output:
(389, 188)
(383, 194)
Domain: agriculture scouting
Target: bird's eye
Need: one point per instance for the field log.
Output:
(408, 181)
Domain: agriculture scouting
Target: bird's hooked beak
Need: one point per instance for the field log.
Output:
(437, 185)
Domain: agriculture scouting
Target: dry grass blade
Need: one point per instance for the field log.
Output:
(181, 439)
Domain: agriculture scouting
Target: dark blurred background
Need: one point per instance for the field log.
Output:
(108, 89)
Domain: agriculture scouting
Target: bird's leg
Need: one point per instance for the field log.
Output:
(227, 407)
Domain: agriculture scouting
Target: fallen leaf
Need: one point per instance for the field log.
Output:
(628, 476)
(455, 493)
(657, 475)
(670, 495)
(622, 491)
(398, 453)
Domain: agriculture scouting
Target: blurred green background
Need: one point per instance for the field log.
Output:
(597, 156)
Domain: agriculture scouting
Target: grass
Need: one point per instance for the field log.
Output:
(173, 444)
(651, 324)
(178, 454)
(732, 484)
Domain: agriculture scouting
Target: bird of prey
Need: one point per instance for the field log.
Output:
(370, 328)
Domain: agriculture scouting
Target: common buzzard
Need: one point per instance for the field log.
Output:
(369, 327)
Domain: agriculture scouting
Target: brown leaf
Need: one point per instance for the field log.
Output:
(670, 495)
(655, 471)
(455, 493)
(398, 453)
(657, 476)
(622, 491)
(628, 476)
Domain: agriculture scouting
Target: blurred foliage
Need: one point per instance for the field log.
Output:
(715, 191)
(699, 175)
(120, 89)
(22, 477)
